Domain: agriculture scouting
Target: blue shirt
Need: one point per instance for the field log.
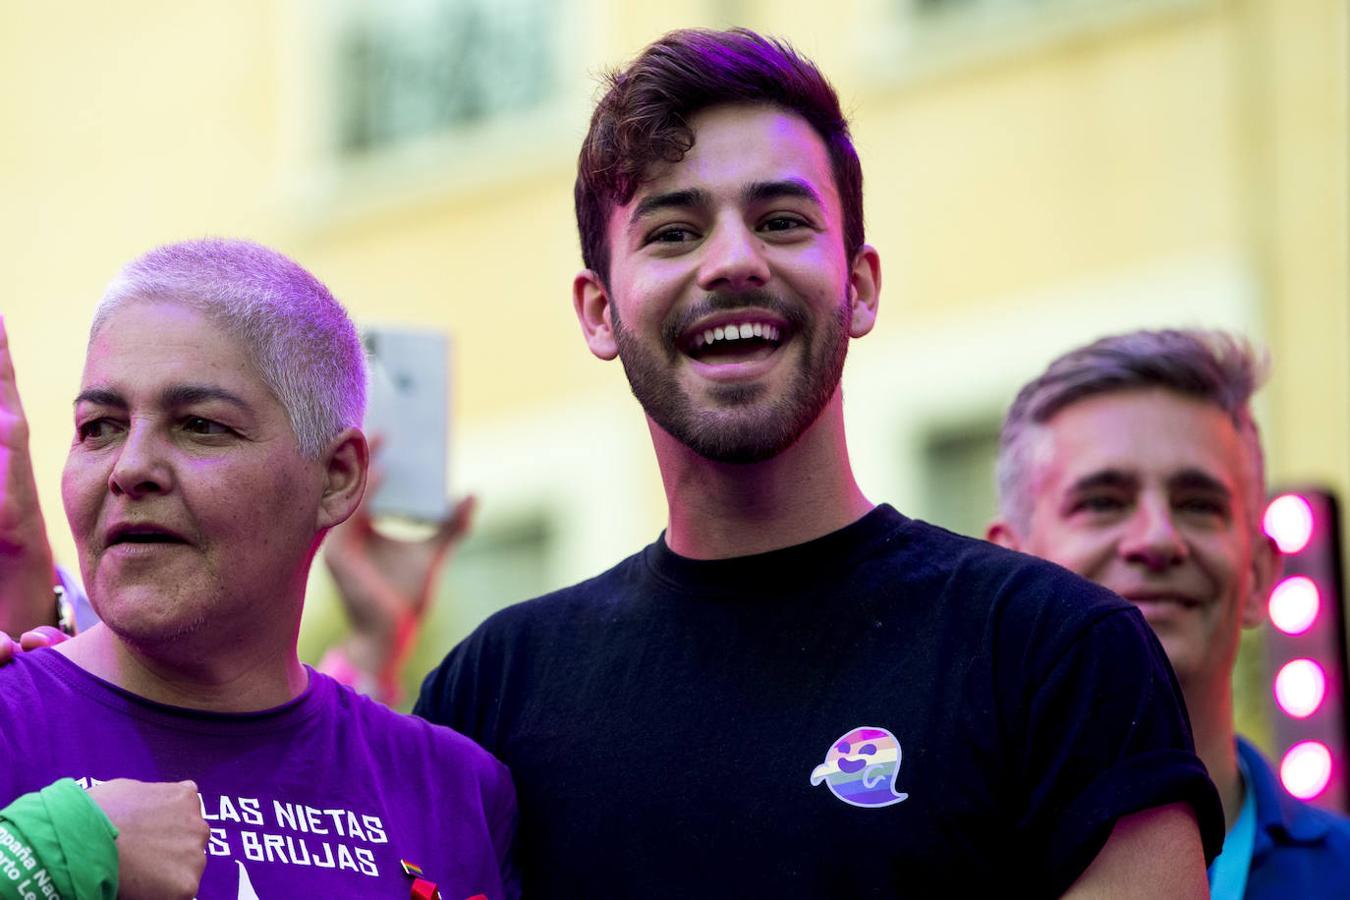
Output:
(1228, 874)
(1298, 850)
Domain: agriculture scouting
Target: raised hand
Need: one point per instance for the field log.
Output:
(161, 841)
(26, 571)
(386, 586)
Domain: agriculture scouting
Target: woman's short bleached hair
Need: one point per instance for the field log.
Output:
(1210, 366)
(301, 340)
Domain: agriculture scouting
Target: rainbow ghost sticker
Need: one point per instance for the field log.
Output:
(861, 768)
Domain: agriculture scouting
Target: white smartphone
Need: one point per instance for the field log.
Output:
(409, 409)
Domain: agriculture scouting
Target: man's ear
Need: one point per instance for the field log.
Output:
(590, 299)
(864, 290)
(346, 464)
(1001, 533)
(1267, 564)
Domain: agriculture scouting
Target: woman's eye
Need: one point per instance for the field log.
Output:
(94, 429)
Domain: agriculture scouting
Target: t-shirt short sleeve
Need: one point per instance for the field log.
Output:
(450, 693)
(1106, 736)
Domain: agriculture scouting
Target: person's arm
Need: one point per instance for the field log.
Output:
(122, 838)
(59, 837)
(386, 587)
(1150, 854)
(1101, 742)
(161, 840)
(27, 573)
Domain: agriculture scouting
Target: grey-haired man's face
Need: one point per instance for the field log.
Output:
(1147, 492)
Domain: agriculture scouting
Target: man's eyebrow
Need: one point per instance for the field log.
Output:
(775, 190)
(1197, 480)
(1106, 478)
(100, 397)
(685, 199)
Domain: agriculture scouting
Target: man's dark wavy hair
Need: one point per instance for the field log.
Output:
(643, 118)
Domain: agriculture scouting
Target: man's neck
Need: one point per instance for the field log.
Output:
(213, 680)
(1211, 715)
(722, 510)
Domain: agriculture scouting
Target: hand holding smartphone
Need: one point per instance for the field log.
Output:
(409, 408)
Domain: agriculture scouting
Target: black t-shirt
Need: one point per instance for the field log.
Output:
(889, 710)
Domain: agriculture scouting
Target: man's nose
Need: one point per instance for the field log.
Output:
(1152, 538)
(141, 466)
(733, 259)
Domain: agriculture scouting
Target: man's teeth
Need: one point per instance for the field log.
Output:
(737, 332)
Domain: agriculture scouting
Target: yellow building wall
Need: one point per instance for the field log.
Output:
(1029, 159)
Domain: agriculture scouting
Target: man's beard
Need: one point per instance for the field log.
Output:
(741, 425)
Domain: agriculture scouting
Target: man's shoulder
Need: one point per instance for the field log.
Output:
(908, 557)
(579, 601)
(1335, 827)
(380, 722)
(975, 571)
(508, 650)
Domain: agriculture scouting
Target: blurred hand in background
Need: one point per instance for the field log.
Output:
(27, 573)
(386, 585)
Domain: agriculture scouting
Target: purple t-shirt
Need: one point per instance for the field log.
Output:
(320, 797)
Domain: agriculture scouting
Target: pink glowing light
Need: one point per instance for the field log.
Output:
(1294, 604)
(1289, 520)
(1306, 769)
(1300, 687)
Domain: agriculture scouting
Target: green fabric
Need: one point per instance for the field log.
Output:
(57, 843)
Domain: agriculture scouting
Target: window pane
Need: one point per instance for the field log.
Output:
(412, 68)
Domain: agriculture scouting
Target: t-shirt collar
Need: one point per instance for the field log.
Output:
(786, 568)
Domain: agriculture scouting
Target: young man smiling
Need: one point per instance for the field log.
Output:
(793, 692)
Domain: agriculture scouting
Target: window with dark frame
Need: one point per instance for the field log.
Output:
(411, 69)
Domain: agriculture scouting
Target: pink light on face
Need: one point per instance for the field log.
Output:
(1300, 687)
(1289, 520)
(1294, 604)
(1306, 769)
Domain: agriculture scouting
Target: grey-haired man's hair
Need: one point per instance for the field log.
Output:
(302, 342)
(1210, 366)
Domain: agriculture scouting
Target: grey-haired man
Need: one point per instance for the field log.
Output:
(1135, 462)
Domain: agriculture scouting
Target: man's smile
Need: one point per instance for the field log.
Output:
(1161, 606)
(736, 344)
(732, 331)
